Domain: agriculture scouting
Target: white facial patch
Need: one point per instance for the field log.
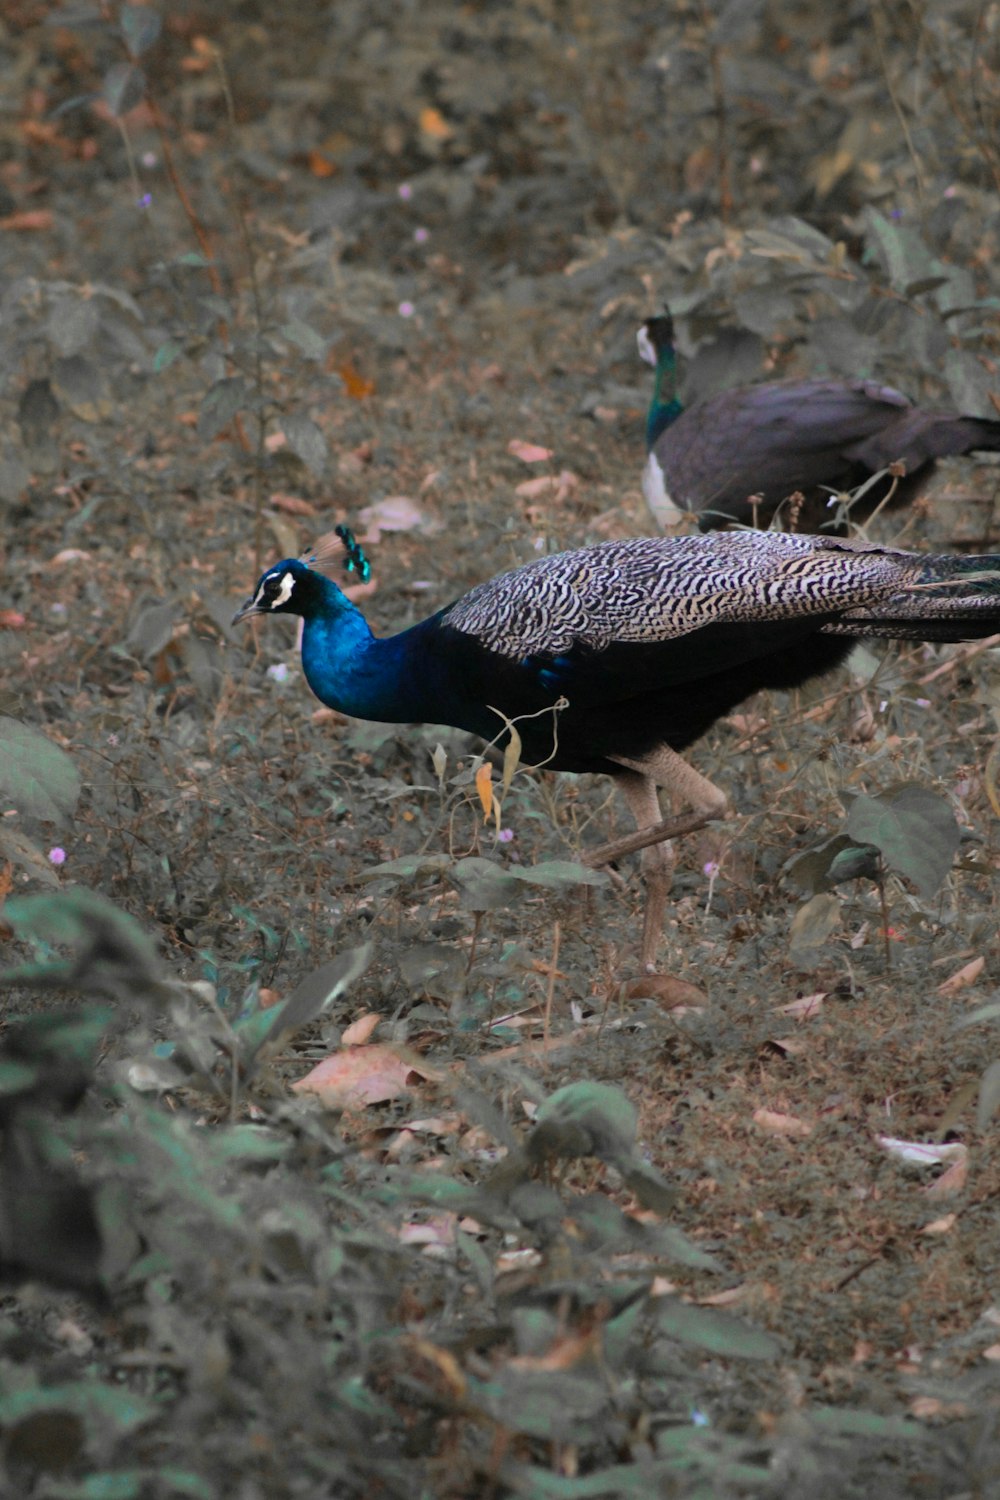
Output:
(281, 597)
(645, 346)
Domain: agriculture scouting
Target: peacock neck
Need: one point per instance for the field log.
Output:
(358, 673)
(665, 406)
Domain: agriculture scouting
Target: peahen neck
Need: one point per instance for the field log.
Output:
(354, 671)
(665, 406)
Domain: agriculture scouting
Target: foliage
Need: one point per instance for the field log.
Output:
(261, 272)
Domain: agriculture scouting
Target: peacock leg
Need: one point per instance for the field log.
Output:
(662, 767)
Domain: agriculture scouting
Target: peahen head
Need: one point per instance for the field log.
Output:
(655, 340)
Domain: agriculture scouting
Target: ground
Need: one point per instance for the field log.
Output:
(571, 1230)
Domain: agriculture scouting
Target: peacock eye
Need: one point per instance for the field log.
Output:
(275, 590)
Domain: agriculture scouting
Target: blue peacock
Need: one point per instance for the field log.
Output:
(617, 657)
(783, 437)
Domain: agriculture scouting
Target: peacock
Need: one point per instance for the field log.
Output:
(770, 441)
(617, 657)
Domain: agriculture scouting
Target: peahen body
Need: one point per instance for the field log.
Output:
(617, 657)
(786, 436)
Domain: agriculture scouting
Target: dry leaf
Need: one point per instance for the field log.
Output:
(394, 513)
(778, 1124)
(963, 977)
(360, 1030)
(11, 619)
(434, 124)
(951, 1181)
(293, 505)
(940, 1226)
(28, 220)
(528, 453)
(667, 991)
(805, 1007)
(923, 1153)
(530, 489)
(484, 786)
(791, 1046)
(363, 1075)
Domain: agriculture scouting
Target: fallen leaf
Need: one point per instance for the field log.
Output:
(940, 1226)
(394, 513)
(963, 977)
(805, 1007)
(923, 1153)
(993, 1352)
(779, 1124)
(363, 1075)
(356, 386)
(29, 220)
(11, 619)
(71, 554)
(528, 453)
(293, 505)
(667, 991)
(530, 489)
(360, 1030)
(791, 1046)
(951, 1181)
(434, 124)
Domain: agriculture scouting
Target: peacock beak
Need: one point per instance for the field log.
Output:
(244, 612)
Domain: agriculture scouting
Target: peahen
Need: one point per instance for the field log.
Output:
(617, 657)
(786, 436)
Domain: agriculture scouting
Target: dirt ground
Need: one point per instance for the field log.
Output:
(269, 270)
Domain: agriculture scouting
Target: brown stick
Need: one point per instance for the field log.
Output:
(657, 833)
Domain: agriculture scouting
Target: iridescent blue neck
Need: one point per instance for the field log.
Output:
(665, 406)
(355, 672)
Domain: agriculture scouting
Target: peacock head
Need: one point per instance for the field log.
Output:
(294, 587)
(285, 589)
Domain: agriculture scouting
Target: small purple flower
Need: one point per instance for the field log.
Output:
(279, 672)
(57, 856)
(505, 835)
(421, 235)
(405, 191)
(150, 159)
(711, 869)
(146, 201)
(406, 309)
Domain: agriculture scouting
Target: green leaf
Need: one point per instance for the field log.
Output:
(585, 1119)
(989, 1096)
(140, 26)
(166, 354)
(914, 830)
(305, 439)
(813, 924)
(123, 88)
(557, 874)
(709, 1328)
(114, 1408)
(220, 405)
(306, 339)
(39, 778)
(408, 867)
(849, 1422)
(317, 992)
(483, 885)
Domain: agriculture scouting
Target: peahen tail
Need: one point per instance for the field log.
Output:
(943, 598)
